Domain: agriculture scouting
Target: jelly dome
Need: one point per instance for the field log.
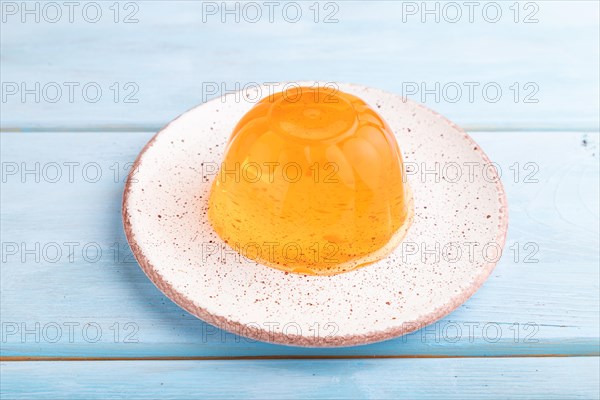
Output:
(311, 182)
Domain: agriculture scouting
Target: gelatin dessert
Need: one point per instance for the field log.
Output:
(312, 183)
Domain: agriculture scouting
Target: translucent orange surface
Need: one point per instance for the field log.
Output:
(311, 183)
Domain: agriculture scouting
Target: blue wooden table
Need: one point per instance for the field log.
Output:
(84, 89)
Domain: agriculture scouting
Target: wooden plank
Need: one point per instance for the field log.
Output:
(515, 378)
(170, 55)
(78, 303)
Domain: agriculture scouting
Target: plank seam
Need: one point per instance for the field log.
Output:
(290, 357)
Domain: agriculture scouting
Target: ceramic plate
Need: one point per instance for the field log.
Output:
(459, 229)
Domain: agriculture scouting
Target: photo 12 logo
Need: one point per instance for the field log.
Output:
(471, 331)
(69, 332)
(53, 12)
(268, 331)
(253, 92)
(471, 92)
(54, 172)
(453, 12)
(69, 92)
(66, 253)
(270, 11)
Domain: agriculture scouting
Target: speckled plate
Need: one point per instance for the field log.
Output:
(456, 238)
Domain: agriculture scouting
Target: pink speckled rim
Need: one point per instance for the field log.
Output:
(258, 334)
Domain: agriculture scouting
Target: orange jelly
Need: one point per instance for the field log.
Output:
(312, 182)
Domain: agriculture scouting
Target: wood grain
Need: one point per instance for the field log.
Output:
(525, 378)
(170, 55)
(547, 292)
